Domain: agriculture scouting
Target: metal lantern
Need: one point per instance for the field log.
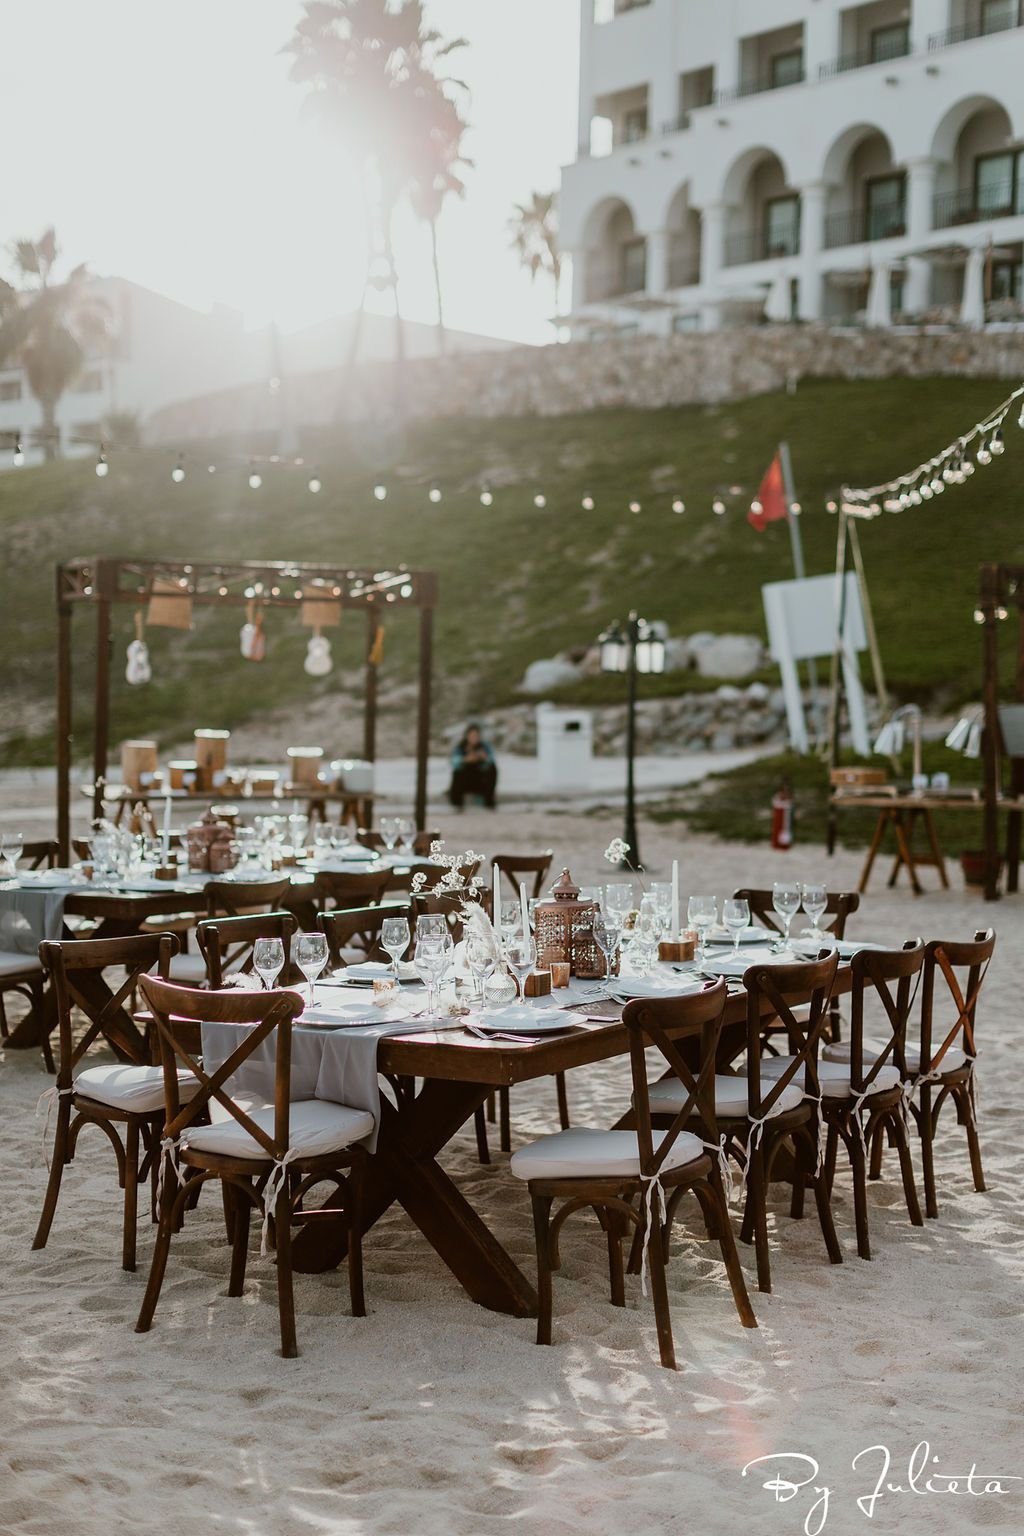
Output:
(614, 650)
(650, 650)
(564, 930)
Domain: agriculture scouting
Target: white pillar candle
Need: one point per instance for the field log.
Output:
(674, 925)
(524, 905)
(496, 898)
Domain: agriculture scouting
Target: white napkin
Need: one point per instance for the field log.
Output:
(673, 985)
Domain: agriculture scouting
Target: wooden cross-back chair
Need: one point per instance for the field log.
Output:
(41, 853)
(782, 1097)
(940, 1066)
(24, 976)
(839, 906)
(635, 1179)
(226, 898)
(266, 1158)
(226, 944)
(126, 1097)
(520, 867)
(863, 1099)
(359, 929)
(343, 890)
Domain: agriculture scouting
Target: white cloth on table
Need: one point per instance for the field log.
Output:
(27, 917)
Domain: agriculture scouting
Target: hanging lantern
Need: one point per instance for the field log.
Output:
(170, 603)
(564, 930)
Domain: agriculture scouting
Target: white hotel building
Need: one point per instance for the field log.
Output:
(803, 159)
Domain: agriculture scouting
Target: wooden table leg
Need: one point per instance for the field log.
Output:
(404, 1168)
(933, 843)
(904, 828)
(1013, 825)
(876, 843)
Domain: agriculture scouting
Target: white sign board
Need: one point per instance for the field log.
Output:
(803, 622)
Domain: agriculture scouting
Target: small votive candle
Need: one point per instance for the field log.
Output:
(559, 973)
(384, 991)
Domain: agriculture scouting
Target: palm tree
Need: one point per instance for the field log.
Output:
(439, 162)
(49, 327)
(534, 230)
(371, 68)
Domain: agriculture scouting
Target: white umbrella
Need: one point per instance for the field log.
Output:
(778, 304)
(972, 305)
(879, 310)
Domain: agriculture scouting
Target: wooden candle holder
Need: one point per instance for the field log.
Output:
(678, 950)
(538, 984)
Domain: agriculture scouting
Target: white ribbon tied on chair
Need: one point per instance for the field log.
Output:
(753, 1141)
(651, 1184)
(49, 1097)
(278, 1174)
(168, 1154)
(724, 1166)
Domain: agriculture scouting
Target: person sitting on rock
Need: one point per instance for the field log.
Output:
(474, 771)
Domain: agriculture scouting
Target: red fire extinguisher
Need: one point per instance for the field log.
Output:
(782, 816)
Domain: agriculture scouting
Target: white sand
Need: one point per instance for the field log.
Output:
(433, 1415)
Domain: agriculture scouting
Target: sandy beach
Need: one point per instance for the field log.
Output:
(433, 1415)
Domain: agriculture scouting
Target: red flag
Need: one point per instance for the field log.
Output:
(770, 504)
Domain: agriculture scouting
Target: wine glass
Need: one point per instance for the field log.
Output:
(646, 932)
(481, 959)
(268, 960)
(521, 954)
(786, 902)
(618, 900)
(431, 959)
(608, 936)
(702, 914)
(311, 957)
(406, 831)
(815, 900)
(388, 828)
(661, 893)
(323, 840)
(511, 917)
(736, 917)
(431, 925)
(394, 939)
(340, 836)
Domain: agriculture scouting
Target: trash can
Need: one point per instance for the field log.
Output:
(565, 747)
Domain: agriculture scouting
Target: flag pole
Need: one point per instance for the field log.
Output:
(800, 571)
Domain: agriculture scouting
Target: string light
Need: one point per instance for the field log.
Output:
(255, 478)
(18, 457)
(102, 467)
(178, 472)
(634, 506)
(795, 509)
(434, 494)
(315, 483)
(587, 503)
(954, 465)
(486, 497)
(380, 491)
(540, 500)
(678, 504)
(756, 507)
(718, 506)
(211, 469)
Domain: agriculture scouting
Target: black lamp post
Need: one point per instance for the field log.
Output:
(633, 650)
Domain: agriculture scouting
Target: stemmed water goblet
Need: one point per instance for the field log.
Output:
(268, 960)
(815, 901)
(521, 954)
(481, 959)
(311, 957)
(394, 939)
(608, 936)
(786, 903)
(702, 914)
(388, 827)
(432, 958)
(736, 917)
(406, 831)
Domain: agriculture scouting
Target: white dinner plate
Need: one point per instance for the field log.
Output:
(751, 935)
(672, 985)
(520, 1019)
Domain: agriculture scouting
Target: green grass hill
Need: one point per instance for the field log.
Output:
(516, 582)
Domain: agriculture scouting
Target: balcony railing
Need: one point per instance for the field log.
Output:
(756, 87)
(854, 225)
(963, 207)
(973, 29)
(760, 245)
(683, 269)
(861, 60)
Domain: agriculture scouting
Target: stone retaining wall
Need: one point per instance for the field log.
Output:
(641, 373)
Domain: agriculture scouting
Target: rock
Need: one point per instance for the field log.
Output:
(678, 654)
(758, 693)
(730, 656)
(728, 694)
(722, 741)
(698, 641)
(553, 673)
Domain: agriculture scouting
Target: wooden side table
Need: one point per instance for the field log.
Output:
(903, 818)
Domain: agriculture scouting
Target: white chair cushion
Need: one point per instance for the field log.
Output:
(952, 1061)
(585, 1153)
(138, 1089)
(18, 965)
(315, 1127)
(668, 1098)
(187, 968)
(834, 1076)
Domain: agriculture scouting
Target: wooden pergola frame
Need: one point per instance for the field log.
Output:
(1000, 588)
(106, 581)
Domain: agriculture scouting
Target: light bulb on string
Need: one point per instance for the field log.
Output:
(434, 494)
(756, 507)
(315, 483)
(255, 478)
(832, 506)
(18, 456)
(635, 506)
(678, 505)
(718, 507)
(380, 491)
(102, 467)
(587, 503)
(211, 469)
(795, 509)
(540, 500)
(997, 443)
(178, 472)
(486, 497)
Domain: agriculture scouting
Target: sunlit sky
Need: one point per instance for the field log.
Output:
(167, 145)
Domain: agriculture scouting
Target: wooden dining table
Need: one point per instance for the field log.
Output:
(456, 1072)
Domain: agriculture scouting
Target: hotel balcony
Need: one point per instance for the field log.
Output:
(966, 207)
(991, 20)
(762, 244)
(854, 226)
